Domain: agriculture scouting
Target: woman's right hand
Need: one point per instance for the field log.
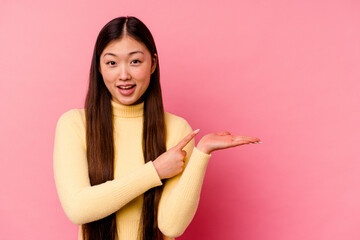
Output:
(171, 162)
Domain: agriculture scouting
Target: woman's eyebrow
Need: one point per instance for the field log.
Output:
(130, 53)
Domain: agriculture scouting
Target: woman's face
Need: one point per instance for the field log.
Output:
(126, 67)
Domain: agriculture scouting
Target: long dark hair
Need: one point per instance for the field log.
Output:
(99, 130)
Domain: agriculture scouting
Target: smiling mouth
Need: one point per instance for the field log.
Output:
(126, 87)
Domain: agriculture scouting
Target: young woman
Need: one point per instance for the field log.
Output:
(125, 169)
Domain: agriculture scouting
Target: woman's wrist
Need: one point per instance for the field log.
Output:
(203, 148)
(156, 168)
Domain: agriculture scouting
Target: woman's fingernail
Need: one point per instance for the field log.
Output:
(197, 130)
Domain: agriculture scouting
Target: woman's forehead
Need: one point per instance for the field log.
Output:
(125, 46)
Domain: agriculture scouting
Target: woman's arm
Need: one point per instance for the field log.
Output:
(82, 202)
(181, 194)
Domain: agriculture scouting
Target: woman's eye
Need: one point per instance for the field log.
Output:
(111, 63)
(135, 61)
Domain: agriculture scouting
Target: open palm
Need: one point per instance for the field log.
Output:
(222, 140)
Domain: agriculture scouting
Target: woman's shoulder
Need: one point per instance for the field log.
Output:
(172, 120)
(176, 129)
(73, 116)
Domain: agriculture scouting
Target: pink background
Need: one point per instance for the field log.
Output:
(285, 71)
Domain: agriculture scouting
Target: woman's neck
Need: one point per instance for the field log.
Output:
(127, 111)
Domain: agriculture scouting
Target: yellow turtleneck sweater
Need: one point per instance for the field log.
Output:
(84, 203)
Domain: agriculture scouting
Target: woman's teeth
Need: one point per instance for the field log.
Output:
(126, 87)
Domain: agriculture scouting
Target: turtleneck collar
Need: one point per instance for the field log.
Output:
(125, 111)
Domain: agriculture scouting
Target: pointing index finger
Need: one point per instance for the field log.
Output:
(187, 139)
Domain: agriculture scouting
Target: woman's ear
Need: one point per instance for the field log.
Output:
(154, 63)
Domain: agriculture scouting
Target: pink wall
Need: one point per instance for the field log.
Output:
(285, 71)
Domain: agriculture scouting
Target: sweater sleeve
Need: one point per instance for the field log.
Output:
(181, 194)
(82, 202)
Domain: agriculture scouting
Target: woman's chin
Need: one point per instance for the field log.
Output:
(128, 102)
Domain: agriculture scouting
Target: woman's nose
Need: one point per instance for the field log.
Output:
(124, 73)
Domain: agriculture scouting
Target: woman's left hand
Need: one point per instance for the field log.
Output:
(222, 140)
